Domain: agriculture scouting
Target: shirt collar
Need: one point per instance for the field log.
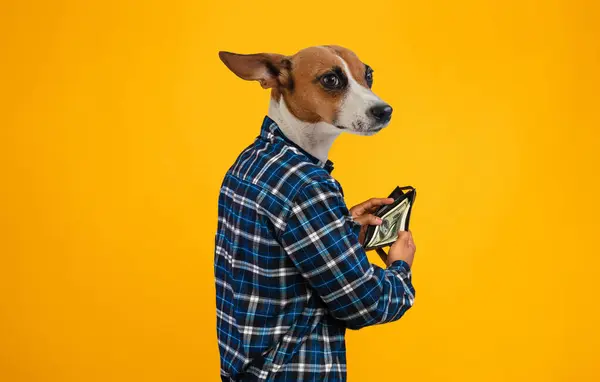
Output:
(270, 130)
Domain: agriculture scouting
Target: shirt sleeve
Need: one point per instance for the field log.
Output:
(321, 240)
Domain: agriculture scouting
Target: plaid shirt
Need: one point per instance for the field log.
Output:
(290, 273)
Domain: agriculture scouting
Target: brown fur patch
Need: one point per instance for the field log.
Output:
(356, 66)
(308, 101)
(295, 78)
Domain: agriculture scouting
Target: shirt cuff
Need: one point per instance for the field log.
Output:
(400, 265)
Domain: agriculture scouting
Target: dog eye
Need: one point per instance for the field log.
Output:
(369, 76)
(331, 81)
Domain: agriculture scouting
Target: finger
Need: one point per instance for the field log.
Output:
(372, 209)
(379, 202)
(369, 219)
(395, 244)
(372, 203)
(403, 236)
(402, 240)
(411, 240)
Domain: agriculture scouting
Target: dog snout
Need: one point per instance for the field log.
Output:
(381, 112)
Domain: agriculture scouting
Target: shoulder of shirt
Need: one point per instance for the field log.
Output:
(279, 168)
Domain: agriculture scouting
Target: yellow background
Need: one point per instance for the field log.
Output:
(118, 123)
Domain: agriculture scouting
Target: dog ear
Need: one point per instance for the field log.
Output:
(270, 69)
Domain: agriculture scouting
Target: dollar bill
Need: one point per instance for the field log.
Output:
(393, 221)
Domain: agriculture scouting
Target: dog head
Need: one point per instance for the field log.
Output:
(322, 84)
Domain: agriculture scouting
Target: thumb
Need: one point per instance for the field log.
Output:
(402, 239)
(410, 239)
(403, 236)
(368, 219)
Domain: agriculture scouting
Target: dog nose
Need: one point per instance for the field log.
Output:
(381, 112)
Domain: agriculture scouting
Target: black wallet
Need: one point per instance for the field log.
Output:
(395, 216)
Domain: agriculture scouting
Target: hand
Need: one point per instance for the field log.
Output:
(403, 248)
(363, 214)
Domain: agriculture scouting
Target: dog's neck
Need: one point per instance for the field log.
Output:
(315, 138)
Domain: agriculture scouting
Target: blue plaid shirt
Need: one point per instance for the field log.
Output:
(290, 273)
